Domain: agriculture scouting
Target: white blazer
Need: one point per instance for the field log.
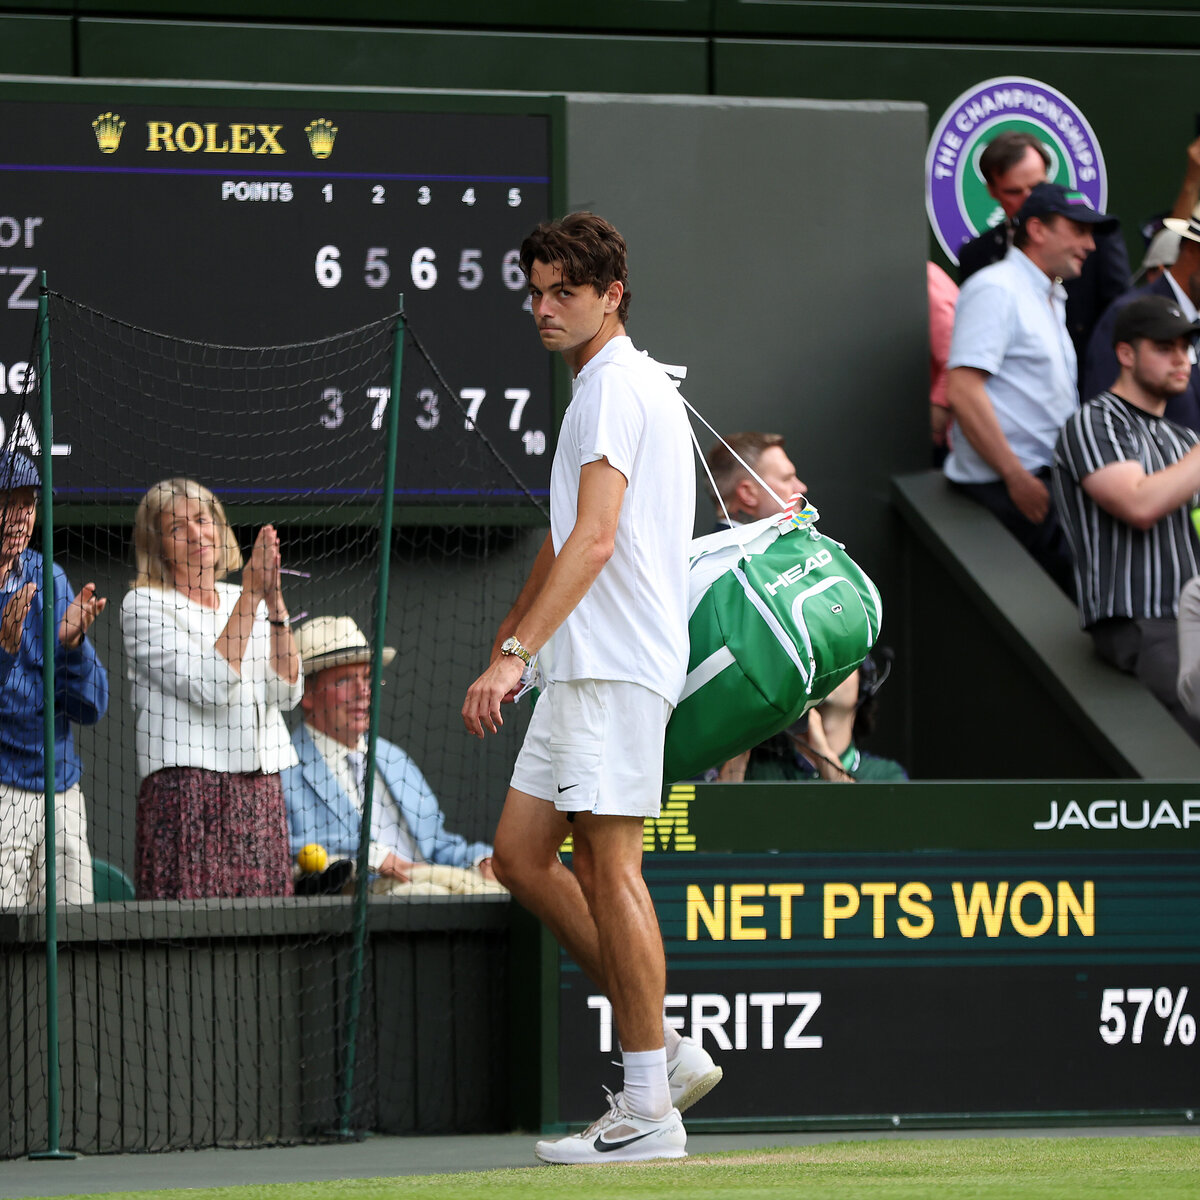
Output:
(192, 708)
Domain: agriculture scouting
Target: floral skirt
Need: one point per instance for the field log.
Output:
(211, 833)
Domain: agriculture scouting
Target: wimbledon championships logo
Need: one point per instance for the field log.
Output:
(956, 196)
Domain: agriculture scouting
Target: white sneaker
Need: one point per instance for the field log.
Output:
(619, 1136)
(692, 1074)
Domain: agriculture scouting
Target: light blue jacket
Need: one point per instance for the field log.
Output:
(320, 811)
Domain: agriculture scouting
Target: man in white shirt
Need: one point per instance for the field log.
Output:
(1012, 164)
(410, 852)
(1012, 371)
(610, 587)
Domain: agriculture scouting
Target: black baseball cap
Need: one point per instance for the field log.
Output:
(1155, 317)
(1052, 199)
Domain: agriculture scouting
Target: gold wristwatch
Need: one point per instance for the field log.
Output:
(512, 646)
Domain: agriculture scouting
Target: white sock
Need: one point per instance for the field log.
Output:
(647, 1092)
(671, 1040)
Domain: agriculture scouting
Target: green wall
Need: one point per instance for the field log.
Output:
(1142, 104)
(1128, 66)
(530, 61)
(35, 45)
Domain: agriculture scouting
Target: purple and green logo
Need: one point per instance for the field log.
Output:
(956, 196)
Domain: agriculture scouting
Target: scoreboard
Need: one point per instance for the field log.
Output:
(274, 217)
(886, 954)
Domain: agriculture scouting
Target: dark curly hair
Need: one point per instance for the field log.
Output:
(588, 248)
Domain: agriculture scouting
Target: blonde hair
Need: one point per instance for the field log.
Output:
(152, 568)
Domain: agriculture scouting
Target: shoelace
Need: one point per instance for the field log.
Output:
(614, 1109)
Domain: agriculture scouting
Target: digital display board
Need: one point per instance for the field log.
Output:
(274, 218)
(1059, 974)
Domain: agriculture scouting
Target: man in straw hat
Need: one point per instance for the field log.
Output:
(411, 852)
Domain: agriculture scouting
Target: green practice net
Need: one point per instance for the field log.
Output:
(215, 986)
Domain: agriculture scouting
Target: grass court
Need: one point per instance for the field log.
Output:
(1051, 1168)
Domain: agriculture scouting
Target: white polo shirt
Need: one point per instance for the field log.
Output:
(1011, 322)
(631, 624)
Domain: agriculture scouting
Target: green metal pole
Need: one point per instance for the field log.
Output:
(49, 642)
(354, 993)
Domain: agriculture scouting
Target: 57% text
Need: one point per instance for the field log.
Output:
(1168, 1007)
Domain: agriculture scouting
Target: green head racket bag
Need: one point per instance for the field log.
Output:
(779, 616)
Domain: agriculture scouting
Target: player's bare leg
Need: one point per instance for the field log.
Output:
(525, 859)
(607, 868)
(608, 860)
(641, 1122)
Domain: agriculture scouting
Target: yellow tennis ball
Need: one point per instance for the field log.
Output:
(312, 858)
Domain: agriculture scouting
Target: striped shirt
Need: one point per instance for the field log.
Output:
(1121, 571)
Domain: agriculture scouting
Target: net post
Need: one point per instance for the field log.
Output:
(49, 640)
(354, 990)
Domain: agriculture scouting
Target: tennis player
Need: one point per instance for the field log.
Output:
(605, 606)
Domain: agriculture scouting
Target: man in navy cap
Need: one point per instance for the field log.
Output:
(1125, 478)
(1012, 370)
(81, 695)
(1012, 164)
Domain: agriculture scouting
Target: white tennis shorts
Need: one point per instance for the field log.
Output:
(596, 745)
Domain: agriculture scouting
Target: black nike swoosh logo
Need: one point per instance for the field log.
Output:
(605, 1147)
(568, 787)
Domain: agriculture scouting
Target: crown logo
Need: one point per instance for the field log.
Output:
(320, 137)
(108, 127)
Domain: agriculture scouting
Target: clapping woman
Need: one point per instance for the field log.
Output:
(213, 666)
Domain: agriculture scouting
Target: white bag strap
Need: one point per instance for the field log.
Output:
(788, 507)
(783, 503)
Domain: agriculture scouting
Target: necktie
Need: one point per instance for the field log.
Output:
(356, 761)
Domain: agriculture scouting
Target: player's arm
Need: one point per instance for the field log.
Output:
(1124, 490)
(572, 571)
(587, 549)
(966, 392)
(529, 593)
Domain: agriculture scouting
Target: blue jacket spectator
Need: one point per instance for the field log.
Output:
(80, 682)
(81, 696)
(410, 851)
(320, 810)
